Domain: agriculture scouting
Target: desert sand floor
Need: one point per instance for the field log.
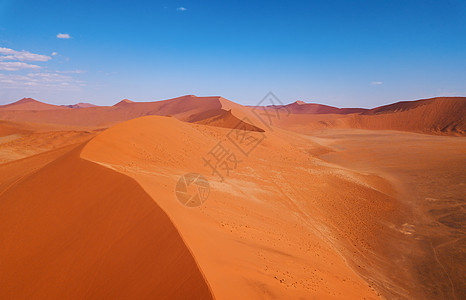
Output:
(430, 177)
(19, 139)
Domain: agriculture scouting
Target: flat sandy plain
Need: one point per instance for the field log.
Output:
(321, 203)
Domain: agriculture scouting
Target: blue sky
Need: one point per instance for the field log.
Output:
(342, 53)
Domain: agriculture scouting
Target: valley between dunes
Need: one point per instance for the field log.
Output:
(320, 208)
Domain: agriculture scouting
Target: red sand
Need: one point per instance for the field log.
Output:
(314, 212)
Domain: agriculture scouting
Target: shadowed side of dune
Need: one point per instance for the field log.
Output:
(222, 118)
(77, 230)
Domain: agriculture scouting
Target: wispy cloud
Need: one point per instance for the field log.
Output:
(37, 79)
(63, 36)
(10, 54)
(181, 8)
(16, 66)
(376, 82)
(40, 80)
(72, 72)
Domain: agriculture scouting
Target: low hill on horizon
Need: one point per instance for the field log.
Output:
(30, 104)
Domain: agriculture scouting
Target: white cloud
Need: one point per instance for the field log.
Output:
(35, 80)
(376, 82)
(10, 54)
(63, 36)
(181, 8)
(40, 81)
(16, 65)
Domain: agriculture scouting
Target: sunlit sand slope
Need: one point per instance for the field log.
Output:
(282, 225)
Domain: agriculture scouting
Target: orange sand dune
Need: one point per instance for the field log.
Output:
(30, 104)
(95, 117)
(310, 212)
(76, 230)
(442, 116)
(434, 116)
(11, 172)
(124, 102)
(283, 225)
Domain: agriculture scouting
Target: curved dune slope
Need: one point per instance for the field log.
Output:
(12, 172)
(434, 116)
(282, 225)
(77, 230)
